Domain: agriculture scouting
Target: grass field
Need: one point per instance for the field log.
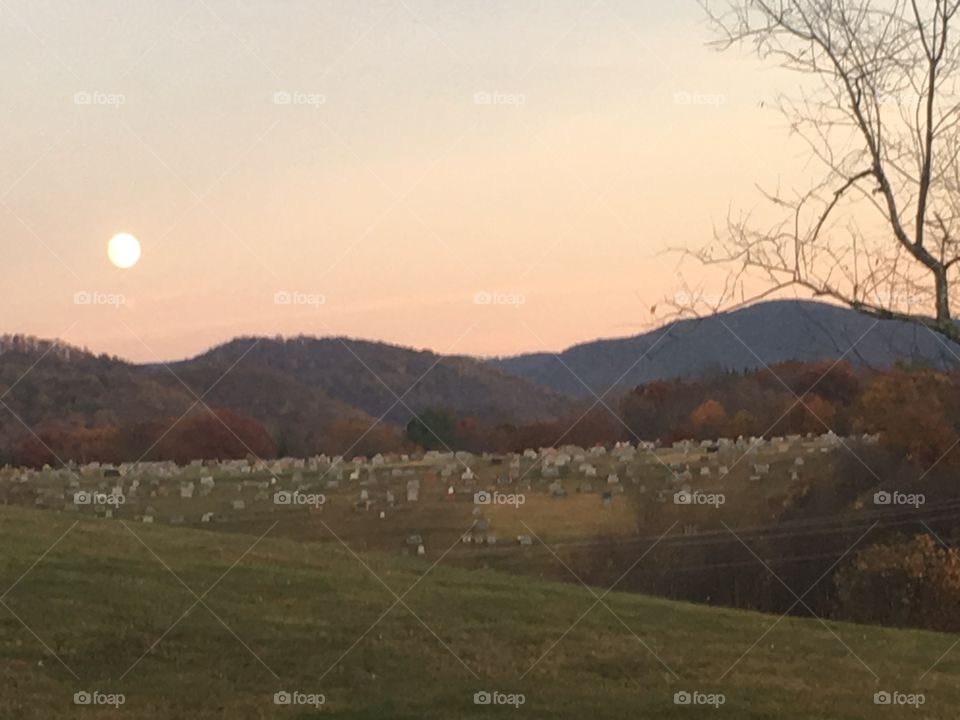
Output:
(192, 623)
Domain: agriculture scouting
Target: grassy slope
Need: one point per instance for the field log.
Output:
(100, 598)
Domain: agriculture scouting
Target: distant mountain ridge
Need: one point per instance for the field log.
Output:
(305, 390)
(380, 379)
(765, 333)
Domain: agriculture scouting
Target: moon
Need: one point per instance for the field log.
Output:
(123, 250)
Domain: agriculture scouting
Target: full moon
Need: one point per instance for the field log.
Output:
(123, 250)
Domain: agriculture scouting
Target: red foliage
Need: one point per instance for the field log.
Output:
(216, 435)
(49, 447)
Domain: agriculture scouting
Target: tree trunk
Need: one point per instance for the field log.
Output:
(943, 295)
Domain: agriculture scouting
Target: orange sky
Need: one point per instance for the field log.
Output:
(381, 163)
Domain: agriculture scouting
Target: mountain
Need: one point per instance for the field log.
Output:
(322, 392)
(380, 379)
(304, 391)
(749, 338)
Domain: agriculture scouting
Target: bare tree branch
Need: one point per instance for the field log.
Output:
(879, 109)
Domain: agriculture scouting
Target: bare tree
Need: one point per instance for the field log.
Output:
(878, 226)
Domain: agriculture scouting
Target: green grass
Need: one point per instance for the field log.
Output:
(100, 599)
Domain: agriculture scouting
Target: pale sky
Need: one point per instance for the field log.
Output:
(380, 162)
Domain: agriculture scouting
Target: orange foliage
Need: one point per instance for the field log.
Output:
(709, 418)
(915, 413)
(905, 583)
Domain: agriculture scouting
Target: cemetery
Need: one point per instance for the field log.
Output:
(569, 493)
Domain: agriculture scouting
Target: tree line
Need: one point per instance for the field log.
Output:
(915, 410)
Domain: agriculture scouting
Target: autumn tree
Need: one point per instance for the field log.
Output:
(53, 445)
(914, 411)
(598, 426)
(34, 451)
(905, 583)
(215, 435)
(812, 414)
(744, 424)
(349, 436)
(709, 419)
